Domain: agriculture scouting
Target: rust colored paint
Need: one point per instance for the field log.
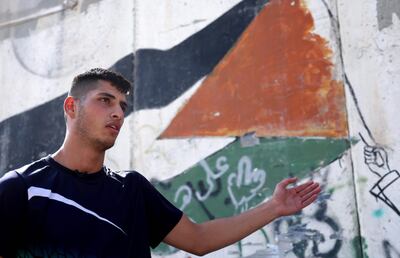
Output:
(276, 81)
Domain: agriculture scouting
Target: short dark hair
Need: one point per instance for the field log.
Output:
(87, 81)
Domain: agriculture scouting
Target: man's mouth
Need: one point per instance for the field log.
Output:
(114, 127)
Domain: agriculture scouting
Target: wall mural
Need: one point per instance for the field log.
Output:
(176, 69)
(274, 91)
(269, 83)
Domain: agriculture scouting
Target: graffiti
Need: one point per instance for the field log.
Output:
(185, 192)
(245, 176)
(220, 178)
(296, 234)
(386, 181)
(389, 250)
(376, 158)
(314, 234)
(304, 134)
(211, 176)
(236, 178)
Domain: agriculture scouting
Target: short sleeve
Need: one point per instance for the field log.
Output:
(162, 216)
(13, 208)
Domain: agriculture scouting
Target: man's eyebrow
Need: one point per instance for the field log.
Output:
(106, 95)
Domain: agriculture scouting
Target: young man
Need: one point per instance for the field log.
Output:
(69, 204)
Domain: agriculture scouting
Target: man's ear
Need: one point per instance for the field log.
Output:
(70, 106)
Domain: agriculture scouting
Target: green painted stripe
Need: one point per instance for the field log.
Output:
(241, 177)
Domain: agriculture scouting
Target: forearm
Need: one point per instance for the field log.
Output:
(212, 235)
(222, 232)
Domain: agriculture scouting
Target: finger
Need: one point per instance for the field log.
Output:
(308, 189)
(310, 200)
(284, 183)
(301, 187)
(315, 190)
(369, 154)
(369, 161)
(369, 148)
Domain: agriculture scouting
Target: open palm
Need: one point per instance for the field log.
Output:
(291, 200)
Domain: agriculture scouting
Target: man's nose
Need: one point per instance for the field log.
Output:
(117, 113)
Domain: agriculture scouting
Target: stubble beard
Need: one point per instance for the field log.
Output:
(83, 129)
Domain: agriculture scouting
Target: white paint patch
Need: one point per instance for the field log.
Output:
(172, 22)
(324, 26)
(40, 65)
(372, 62)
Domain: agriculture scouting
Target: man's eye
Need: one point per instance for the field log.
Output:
(105, 100)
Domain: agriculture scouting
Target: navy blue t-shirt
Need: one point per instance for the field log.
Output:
(47, 210)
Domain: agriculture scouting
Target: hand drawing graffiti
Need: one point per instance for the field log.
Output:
(376, 159)
(389, 250)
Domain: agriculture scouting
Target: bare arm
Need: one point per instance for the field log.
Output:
(203, 238)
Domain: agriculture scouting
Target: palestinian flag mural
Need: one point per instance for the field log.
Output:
(276, 81)
(275, 86)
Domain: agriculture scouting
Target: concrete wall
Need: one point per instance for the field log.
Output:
(230, 97)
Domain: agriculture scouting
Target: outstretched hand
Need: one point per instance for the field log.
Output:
(288, 201)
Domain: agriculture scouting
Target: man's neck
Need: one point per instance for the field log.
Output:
(82, 159)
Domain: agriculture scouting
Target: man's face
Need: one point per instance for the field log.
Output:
(100, 115)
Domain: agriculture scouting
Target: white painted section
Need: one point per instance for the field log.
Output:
(40, 58)
(324, 26)
(372, 64)
(163, 24)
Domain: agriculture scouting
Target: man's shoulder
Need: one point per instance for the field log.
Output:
(34, 167)
(128, 178)
(124, 175)
(25, 171)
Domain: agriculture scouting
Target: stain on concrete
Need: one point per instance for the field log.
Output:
(386, 9)
(360, 247)
(378, 213)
